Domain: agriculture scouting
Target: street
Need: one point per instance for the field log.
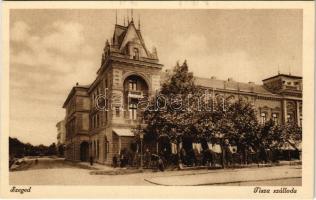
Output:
(52, 171)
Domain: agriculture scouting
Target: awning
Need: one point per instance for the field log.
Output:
(123, 132)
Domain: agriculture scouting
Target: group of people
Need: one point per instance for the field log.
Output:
(213, 154)
(128, 158)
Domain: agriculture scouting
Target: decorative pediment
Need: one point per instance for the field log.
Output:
(133, 37)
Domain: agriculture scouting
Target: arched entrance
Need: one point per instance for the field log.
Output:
(84, 151)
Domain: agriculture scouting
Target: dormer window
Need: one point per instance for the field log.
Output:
(136, 54)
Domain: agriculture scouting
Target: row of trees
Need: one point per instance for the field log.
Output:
(20, 149)
(205, 119)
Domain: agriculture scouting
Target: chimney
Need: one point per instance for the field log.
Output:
(213, 77)
(230, 79)
(77, 84)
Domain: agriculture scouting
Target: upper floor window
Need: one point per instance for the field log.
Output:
(136, 54)
(97, 120)
(263, 117)
(132, 85)
(133, 111)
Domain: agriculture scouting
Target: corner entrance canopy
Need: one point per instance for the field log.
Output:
(123, 132)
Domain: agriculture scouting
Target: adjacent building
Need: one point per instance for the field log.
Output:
(61, 136)
(128, 72)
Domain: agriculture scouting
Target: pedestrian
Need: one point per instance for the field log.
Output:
(147, 158)
(114, 161)
(122, 159)
(91, 160)
(160, 164)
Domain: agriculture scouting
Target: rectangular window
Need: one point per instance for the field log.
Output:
(275, 118)
(132, 85)
(136, 54)
(97, 120)
(289, 118)
(106, 149)
(98, 149)
(105, 117)
(117, 111)
(133, 111)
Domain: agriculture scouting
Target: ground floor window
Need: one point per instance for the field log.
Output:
(263, 117)
(275, 118)
(106, 149)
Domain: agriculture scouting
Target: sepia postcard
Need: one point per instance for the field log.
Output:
(149, 99)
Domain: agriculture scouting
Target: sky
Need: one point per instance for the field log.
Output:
(51, 50)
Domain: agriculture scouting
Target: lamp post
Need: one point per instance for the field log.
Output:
(141, 137)
(140, 133)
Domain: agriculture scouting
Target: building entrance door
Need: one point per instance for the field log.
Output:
(84, 151)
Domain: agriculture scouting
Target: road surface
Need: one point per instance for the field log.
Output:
(50, 171)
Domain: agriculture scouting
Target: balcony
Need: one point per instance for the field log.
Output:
(135, 94)
(292, 87)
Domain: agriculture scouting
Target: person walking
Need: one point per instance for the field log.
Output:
(161, 166)
(114, 161)
(91, 160)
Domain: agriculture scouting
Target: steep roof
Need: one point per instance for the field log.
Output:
(119, 34)
(123, 34)
(283, 75)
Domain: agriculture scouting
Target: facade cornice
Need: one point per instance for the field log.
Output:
(260, 95)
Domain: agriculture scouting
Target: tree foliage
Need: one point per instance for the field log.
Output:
(204, 118)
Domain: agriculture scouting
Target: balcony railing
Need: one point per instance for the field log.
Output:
(291, 87)
(135, 93)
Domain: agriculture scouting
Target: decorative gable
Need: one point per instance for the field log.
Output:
(132, 43)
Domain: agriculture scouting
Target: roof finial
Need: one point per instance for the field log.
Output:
(278, 68)
(132, 14)
(124, 20)
(115, 16)
(127, 19)
(138, 22)
(289, 69)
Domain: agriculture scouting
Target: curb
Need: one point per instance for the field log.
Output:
(222, 183)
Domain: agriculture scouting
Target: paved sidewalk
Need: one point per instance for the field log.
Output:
(229, 176)
(96, 166)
